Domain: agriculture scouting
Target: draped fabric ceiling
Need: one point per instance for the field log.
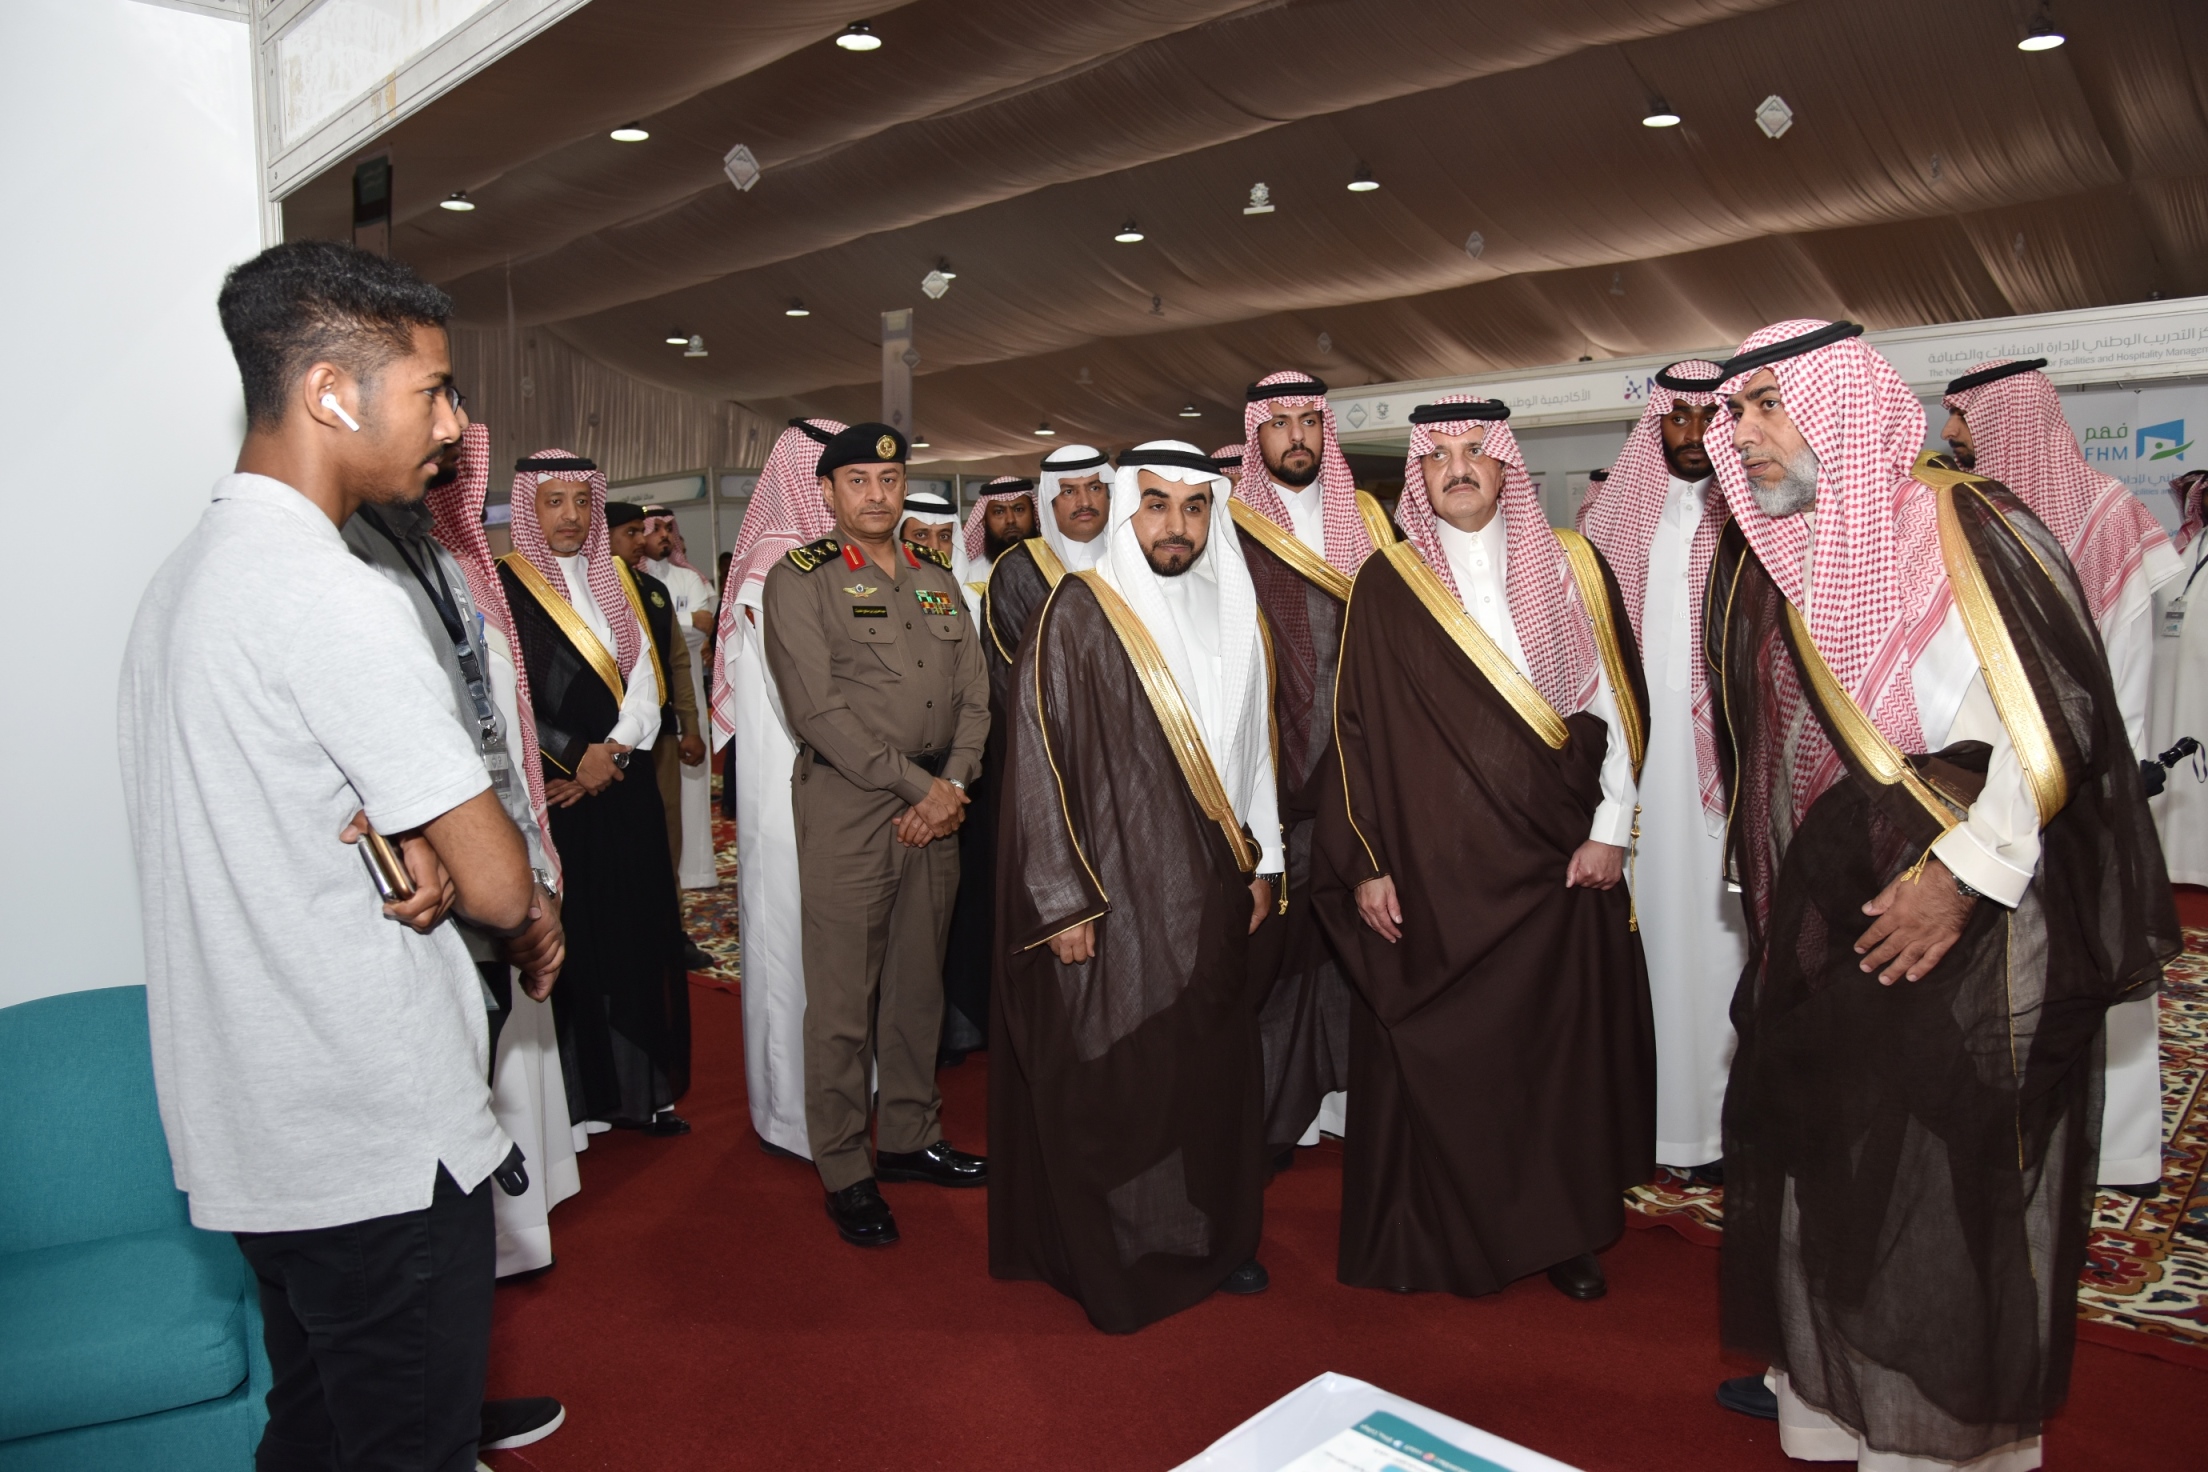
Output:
(1932, 173)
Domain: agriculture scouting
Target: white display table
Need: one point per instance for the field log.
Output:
(1336, 1424)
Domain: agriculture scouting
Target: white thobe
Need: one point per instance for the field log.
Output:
(1306, 513)
(1479, 561)
(1247, 774)
(692, 595)
(767, 900)
(2180, 708)
(1692, 929)
(528, 1090)
(637, 726)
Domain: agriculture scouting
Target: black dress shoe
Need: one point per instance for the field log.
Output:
(938, 1165)
(697, 957)
(1712, 1174)
(666, 1124)
(2146, 1192)
(861, 1215)
(768, 1147)
(522, 1422)
(1247, 1279)
(1748, 1395)
(1579, 1277)
(1283, 1159)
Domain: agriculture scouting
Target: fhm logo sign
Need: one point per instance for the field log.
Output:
(2162, 442)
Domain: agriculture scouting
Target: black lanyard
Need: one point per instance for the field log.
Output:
(448, 612)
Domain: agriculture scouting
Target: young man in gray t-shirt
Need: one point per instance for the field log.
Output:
(320, 1055)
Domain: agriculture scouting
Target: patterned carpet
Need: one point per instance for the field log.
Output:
(2145, 1285)
(709, 915)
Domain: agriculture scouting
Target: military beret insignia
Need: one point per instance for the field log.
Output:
(813, 554)
(886, 447)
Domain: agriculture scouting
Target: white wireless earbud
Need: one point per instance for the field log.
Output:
(329, 402)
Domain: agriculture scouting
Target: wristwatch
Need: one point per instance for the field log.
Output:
(621, 760)
(1962, 888)
(956, 783)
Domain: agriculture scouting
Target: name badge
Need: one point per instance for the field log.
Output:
(2173, 618)
(869, 610)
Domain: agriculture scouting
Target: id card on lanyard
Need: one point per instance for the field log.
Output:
(2173, 612)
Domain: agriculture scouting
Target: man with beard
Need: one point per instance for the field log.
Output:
(1949, 874)
(786, 512)
(880, 672)
(1141, 849)
(665, 558)
(1305, 530)
(1655, 517)
(1489, 723)
(623, 1006)
(629, 532)
(2005, 421)
(1002, 518)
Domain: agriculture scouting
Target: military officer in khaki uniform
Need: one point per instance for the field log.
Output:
(882, 680)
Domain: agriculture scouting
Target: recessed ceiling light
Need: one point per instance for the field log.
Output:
(1129, 233)
(1364, 183)
(1659, 115)
(1190, 411)
(2042, 36)
(677, 338)
(859, 36)
(1044, 430)
(796, 308)
(458, 202)
(696, 348)
(629, 133)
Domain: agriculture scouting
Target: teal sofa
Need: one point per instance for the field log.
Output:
(129, 1339)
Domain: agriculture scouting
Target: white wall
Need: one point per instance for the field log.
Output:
(126, 156)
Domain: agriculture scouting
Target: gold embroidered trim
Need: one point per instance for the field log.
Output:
(1272, 731)
(1594, 595)
(1042, 724)
(1349, 809)
(1046, 561)
(1486, 655)
(1181, 731)
(1998, 661)
(571, 623)
(1285, 545)
(1377, 526)
(1872, 751)
(636, 606)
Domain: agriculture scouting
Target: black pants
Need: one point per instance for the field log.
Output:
(378, 1332)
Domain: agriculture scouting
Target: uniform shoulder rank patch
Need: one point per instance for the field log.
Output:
(936, 605)
(935, 555)
(813, 554)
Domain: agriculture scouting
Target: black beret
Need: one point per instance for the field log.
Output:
(621, 513)
(862, 444)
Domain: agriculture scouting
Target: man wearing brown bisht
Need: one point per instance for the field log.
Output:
(1949, 874)
(1305, 530)
(1139, 849)
(1489, 720)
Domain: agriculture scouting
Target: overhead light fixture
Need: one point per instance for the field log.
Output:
(859, 36)
(938, 281)
(1774, 116)
(920, 441)
(1364, 183)
(1190, 411)
(1044, 431)
(1129, 233)
(697, 346)
(457, 201)
(1659, 115)
(796, 308)
(677, 338)
(1261, 200)
(2042, 36)
(629, 133)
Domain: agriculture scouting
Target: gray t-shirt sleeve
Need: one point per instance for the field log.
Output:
(371, 692)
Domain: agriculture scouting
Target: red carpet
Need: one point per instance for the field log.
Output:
(703, 1314)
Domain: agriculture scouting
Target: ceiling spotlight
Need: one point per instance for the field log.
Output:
(1190, 411)
(1044, 430)
(629, 133)
(1659, 115)
(677, 338)
(938, 281)
(1364, 183)
(697, 346)
(1129, 233)
(1261, 200)
(919, 441)
(796, 308)
(2042, 36)
(859, 36)
(457, 201)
